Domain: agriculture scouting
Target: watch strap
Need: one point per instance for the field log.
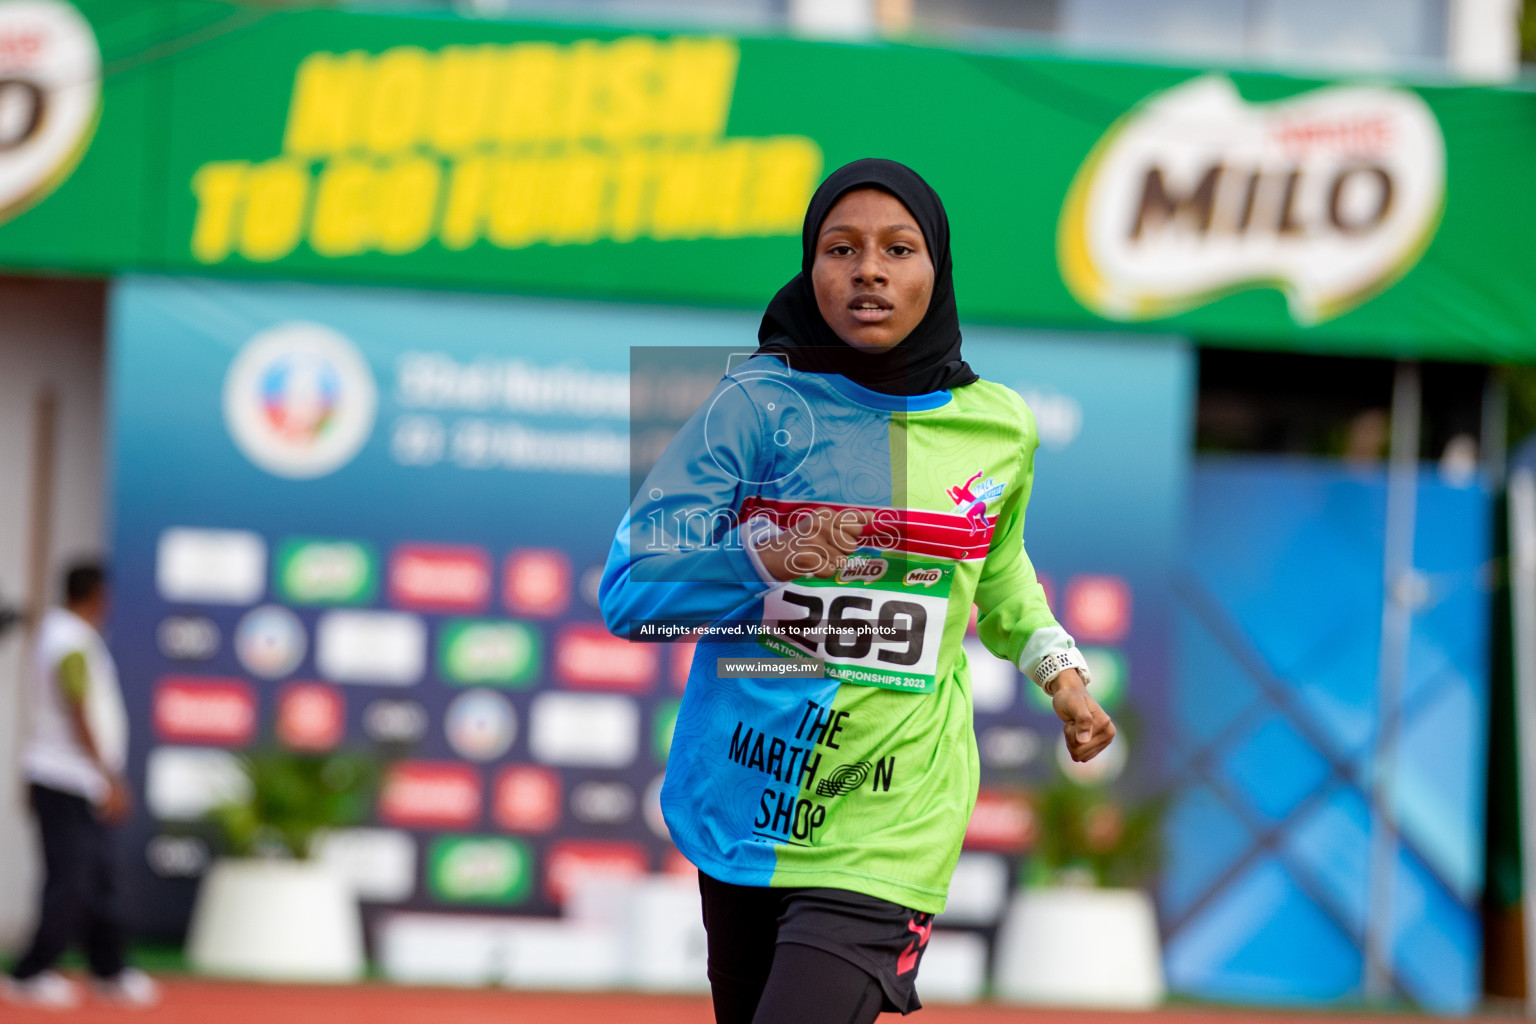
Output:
(1053, 665)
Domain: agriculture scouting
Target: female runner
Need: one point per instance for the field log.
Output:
(836, 508)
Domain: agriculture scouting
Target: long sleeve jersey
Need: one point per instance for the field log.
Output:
(862, 779)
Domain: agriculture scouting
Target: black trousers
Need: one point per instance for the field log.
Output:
(79, 888)
(771, 961)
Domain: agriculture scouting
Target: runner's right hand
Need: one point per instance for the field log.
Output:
(816, 544)
(1087, 728)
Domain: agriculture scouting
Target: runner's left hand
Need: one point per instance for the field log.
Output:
(1086, 726)
(119, 802)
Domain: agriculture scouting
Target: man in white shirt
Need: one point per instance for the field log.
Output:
(76, 746)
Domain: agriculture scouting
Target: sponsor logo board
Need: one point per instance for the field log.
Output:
(194, 566)
(378, 863)
(221, 712)
(480, 725)
(584, 730)
(994, 682)
(50, 98)
(537, 582)
(589, 657)
(177, 856)
(1010, 747)
(440, 577)
(488, 652)
(479, 869)
(426, 794)
(395, 722)
(188, 638)
(602, 803)
(1330, 196)
(311, 716)
(1098, 608)
(327, 572)
(572, 862)
(388, 648)
(1002, 821)
(270, 642)
(527, 799)
(680, 102)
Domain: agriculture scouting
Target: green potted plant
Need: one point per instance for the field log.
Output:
(1090, 836)
(267, 908)
(1081, 930)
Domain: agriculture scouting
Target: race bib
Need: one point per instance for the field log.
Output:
(878, 622)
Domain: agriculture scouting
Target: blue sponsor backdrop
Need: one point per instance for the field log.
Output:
(464, 449)
(1279, 738)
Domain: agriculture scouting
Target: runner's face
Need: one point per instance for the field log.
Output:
(872, 274)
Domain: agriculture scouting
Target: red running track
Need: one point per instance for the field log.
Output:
(206, 1002)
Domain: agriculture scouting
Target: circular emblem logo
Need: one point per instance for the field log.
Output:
(299, 400)
(50, 92)
(270, 642)
(480, 725)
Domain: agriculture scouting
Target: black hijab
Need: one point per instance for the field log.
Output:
(926, 360)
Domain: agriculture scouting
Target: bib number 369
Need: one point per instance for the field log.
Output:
(883, 635)
(843, 629)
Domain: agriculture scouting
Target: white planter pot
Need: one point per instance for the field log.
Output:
(278, 920)
(1080, 947)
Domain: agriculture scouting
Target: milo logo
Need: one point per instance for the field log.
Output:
(862, 570)
(923, 577)
(326, 572)
(50, 98)
(497, 653)
(1329, 195)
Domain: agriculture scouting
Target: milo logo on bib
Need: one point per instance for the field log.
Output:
(860, 569)
(878, 622)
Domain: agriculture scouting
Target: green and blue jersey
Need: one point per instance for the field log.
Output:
(864, 779)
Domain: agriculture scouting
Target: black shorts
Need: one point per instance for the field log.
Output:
(883, 939)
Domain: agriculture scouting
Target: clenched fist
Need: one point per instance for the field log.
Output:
(1087, 728)
(814, 545)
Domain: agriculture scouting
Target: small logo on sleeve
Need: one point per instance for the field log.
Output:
(971, 499)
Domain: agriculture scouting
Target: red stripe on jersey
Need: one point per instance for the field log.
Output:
(913, 531)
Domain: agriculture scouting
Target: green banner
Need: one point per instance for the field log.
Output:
(1243, 209)
(479, 869)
